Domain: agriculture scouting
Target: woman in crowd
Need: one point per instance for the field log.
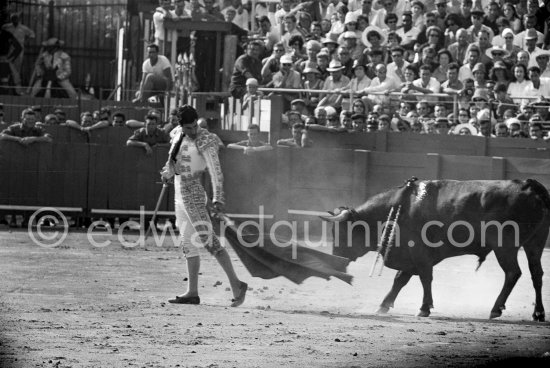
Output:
(511, 15)
(520, 80)
(444, 58)
(499, 73)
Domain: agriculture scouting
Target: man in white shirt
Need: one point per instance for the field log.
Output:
(373, 15)
(408, 33)
(381, 83)
(538, 86)
(529, 22)
(396, 69)
(465, 71)
(425, 84)
(157, 75)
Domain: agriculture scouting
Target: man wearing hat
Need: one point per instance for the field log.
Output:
(335, 82)
(529, 22)
(542, 62)
(287, 78)
(477, 17)
(354, 48)
(53, 66)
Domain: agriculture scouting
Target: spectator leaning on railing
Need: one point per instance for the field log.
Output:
(25, 132)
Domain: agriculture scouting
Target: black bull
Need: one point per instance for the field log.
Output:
(446, 218)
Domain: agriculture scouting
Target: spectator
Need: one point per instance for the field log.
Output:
(466, 71)
(384, 123)
(451, 27)
(463, 116)
(425, 84)
(459, 48)
(509, 12)
(396, 69)
(358, 123)
(296, 140)
(374, 39)
(313, 82)
(312, 49)
(148, 136)
(119, 119)
(499, 73)
(320, 116)
(452, 85)
(287, 78)
(537, 86)
(381, 83)
(50, 119)
(9, 52)
(465, 129)
(501, 130)
(502, 100)
(358, 83)
(535, 130)
(529, 23)
(444, 59)
(291, 30)
(252, 94)
(246, 66)
(21, 33)
(157, 75)
(26, 132)
(477, 16)
(519, 82)
(296, 45)
(53, 66)
(542, 62)
(336, 82)
(162, 12)
(479, 76)
(272, 64)
(62, 116)
(408, 33)
(372, 122)
(353, 48)
(253, 143)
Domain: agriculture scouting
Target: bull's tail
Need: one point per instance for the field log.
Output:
(539, 189)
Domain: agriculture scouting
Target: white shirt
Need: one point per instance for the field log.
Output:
(516, 89)
(158, 68)
(519, 39)
(465, 72)
(543, 90)
(392, 70)
(433, 85)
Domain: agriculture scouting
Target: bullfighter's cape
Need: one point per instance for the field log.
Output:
(294, 262)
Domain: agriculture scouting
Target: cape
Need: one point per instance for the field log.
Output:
(295, 262)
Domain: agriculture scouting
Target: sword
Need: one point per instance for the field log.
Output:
(152, 222)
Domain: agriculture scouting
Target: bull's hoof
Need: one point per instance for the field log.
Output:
(495, 314)
(423, 313)
(382, 310)
(539, 316)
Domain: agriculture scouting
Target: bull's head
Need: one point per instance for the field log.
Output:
(350, 233)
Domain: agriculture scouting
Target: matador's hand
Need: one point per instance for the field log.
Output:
(218, 207)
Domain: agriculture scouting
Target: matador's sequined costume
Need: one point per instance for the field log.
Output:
(192, 158)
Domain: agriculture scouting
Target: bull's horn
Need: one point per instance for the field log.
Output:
(342, 216)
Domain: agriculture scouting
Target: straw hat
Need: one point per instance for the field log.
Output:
(371, 29)
(335, 66)
(497, 49)
(470, 127)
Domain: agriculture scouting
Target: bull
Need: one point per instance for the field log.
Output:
(439, 219)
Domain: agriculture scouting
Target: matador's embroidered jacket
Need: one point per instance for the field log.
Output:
(193, 157)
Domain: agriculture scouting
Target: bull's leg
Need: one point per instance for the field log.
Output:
(535, 267)
(426, 277)
(508, 260)
(401, 279)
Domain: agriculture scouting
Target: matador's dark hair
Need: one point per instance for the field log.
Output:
(187, 114)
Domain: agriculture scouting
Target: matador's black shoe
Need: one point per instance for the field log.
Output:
(185, 300)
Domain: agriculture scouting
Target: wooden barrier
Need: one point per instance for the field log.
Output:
(288, 182)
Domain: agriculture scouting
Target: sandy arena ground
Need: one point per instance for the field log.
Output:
(77, 305)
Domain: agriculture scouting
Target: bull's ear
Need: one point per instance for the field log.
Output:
(342, 216)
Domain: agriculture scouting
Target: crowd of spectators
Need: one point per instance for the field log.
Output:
(455, 65)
